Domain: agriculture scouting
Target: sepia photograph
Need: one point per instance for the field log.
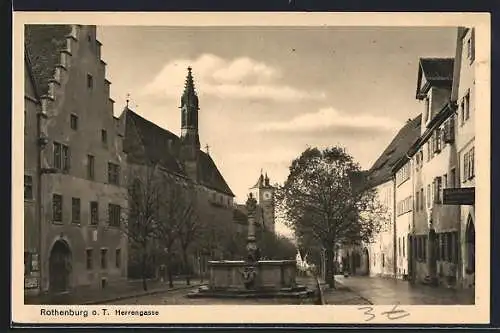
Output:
(213, 165)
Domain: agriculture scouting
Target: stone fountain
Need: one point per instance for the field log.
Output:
(252, 277)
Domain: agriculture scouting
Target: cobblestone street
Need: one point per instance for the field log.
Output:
(339, 296)
(385, 291)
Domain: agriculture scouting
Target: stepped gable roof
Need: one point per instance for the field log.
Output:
(162, 146)
(44, 44)
(381, 171)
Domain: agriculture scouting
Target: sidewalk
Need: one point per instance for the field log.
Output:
(386, 291)
(340, 295)
(113, 292)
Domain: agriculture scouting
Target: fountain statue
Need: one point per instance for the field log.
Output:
(252, 277)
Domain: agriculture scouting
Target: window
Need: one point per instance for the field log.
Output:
(28, 187)
(104, 137)
(429, 151)
(90, 261)
(428, 195)
(61, 157)
(404, 246)
(462, 112)
(90, 81)
(424, 248)
(427, 109)
(422, 199)
(57, 155)
(57, 202)
(417, 200)
(114, 212)
(445, 181)
(471, 46)
(383, 260)
(75, 210)
(471, 163)
(118, 258)
(452, 178)
(437, 189)
(104, 258)
(467, 106)
(90, 167)
(399, 246)
(94, 213)
(73, 119)
(468, 161)
(113, 173)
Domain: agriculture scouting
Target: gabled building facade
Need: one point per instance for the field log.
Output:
(434, 234)
(81, 161)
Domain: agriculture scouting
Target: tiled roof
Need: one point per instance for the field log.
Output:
(435, 69)
(162, 146)
(381, 171)
(44, 43)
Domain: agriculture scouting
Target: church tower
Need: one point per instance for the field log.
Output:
(265, 199)
(190, 140)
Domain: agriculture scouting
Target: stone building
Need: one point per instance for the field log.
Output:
(181, 159)
(383, 250)
(32, 110)
(403, 170)
(463, 193)
(81, 161)
(434, 234)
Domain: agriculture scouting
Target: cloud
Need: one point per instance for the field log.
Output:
(237, 78)
(331, 119)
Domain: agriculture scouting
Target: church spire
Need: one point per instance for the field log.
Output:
(189, 112)
(189, 95)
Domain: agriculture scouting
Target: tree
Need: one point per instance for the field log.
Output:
(274, 247)
(188, 224)
(320, 203)
(139, 223)
(173, 210)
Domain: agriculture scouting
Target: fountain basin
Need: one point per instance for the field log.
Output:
(274, 278)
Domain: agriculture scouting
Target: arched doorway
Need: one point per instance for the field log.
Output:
(470, 246)
(59, 266)
(366, 256)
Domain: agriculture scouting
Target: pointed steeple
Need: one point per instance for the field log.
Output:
(266, 180)
(189, 112)
(189, 96)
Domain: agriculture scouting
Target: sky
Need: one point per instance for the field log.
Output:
(268, 93)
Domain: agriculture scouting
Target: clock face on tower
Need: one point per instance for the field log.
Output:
(266, 195)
